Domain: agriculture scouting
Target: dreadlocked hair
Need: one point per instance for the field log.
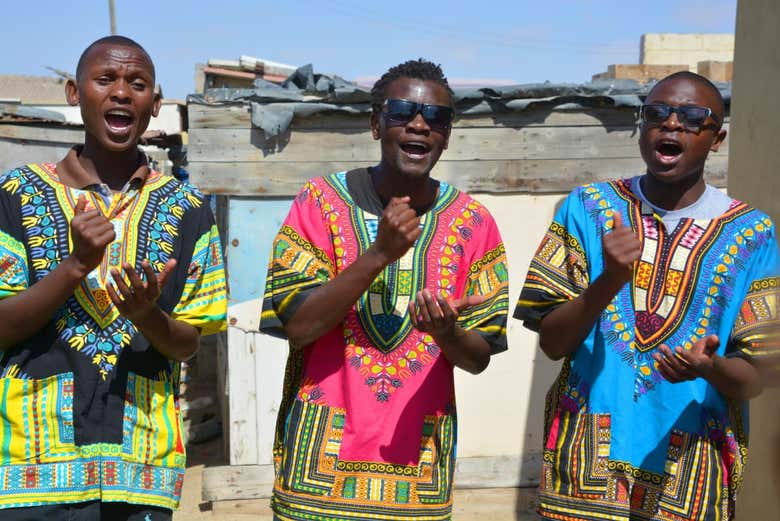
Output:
(419, 69)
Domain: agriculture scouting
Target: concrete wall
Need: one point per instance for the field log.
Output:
(670, 48)
(755, 128)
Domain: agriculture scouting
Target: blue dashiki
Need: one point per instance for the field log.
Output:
(621, 442)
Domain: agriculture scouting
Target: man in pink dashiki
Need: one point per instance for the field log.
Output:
(383, 279)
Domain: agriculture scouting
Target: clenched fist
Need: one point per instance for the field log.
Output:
(90, 233)
(621, 251)
(399, 227)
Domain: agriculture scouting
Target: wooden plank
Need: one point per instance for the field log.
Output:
(258, 509)
(466, 144)
(495, 504)
(232, 482)
(243, 397)
(238, 482)
(47, 134)
(278, 179)
(270, 362)
(239, 116)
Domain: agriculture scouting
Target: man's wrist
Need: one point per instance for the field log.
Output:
(148, 319)
(448, 337)
(74, 268)
(377, 259)
(708, 370)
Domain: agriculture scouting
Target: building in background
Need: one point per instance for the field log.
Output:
(239, 74)
(661, 54)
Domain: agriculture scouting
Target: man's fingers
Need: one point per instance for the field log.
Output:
(469, 301)
(711, 343)
(121, 285)
(414, 234)
(617, 221)
(118, 302)
(412, 312)
(422, 308)
(162, 278)
(106, 237)
(81, 204)
(135, 280)
(399, 200)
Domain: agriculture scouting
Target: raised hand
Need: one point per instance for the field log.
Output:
(90, 233)
(687, 364)
(437, 316)
(139, 299)
(399, 227)
(621, 251)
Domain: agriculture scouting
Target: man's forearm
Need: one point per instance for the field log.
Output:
(26, 313)
(734, 378)
(563, 330)
(465, 349)
(174, 339)
(330, 303)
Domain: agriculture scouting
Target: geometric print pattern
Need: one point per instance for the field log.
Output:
(146, 228)
(580, 479)
(692, 281)
(40, 459)
(752, 338)
(40, 462)
(310, 467)
(675, 268)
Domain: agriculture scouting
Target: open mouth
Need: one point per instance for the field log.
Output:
(119, 121)
(415, 150)
(668, 151)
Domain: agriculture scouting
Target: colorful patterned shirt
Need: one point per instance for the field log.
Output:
(89, 409)
(621, 442)
(367, 425)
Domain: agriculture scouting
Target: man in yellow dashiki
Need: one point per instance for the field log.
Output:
(109, 274)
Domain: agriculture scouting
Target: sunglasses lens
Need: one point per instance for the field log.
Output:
(655, 113)
(437, 115)
(693, 116)
(401, 110)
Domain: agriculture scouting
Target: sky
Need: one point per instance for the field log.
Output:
(501, 41)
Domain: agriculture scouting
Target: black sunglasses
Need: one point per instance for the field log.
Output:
(401, 112)
(692, 117)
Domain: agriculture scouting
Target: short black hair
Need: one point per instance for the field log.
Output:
(419, 69)
(116, 40)
(719, 110)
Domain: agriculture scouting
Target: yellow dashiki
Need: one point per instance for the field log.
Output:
(621, 442)
(88, 408)
(367, 427)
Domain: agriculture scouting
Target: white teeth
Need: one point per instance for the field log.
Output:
(119, 113)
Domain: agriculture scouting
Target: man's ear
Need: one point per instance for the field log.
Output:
(72, 93)
(719, 137)
(156, 106)
(374, 122)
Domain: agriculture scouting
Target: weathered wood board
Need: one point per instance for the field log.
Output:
(538, 150)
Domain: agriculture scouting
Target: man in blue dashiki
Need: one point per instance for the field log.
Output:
(660, 294)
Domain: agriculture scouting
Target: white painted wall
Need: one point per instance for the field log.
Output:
(501, 411)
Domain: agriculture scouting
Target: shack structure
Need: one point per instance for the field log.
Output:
(519, 149)
(37, 125)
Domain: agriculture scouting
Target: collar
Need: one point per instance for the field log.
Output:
(83, 179)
